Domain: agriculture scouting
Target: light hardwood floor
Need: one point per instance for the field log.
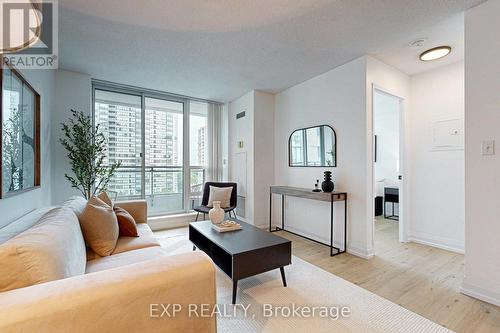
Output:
(420, 278)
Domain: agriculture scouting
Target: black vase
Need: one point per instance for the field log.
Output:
(327, 185)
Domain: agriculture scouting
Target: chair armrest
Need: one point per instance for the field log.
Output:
(117, 300)
(137, 208)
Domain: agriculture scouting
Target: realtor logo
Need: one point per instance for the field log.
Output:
(28, 34)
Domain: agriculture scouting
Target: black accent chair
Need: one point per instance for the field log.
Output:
(203, 209)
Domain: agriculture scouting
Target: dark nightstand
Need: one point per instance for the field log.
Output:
(391, 195)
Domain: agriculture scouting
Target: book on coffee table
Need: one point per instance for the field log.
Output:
(226, 227)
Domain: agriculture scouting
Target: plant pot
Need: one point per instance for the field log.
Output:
(216, 214)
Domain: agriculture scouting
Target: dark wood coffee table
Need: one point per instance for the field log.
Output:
(242, 253)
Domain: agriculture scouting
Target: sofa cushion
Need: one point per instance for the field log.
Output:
(23, 223)
(137, 208)
(126, 223)
(76, 204)
(146, 239)
(125, 258)
(52, 249)
(99, 226)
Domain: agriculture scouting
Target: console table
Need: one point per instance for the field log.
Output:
(309, 194)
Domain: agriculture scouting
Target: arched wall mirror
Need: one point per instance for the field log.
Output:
(313, 147)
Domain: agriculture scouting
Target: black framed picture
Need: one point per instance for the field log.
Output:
(20, 125)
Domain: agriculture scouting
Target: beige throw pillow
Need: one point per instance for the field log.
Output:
(99, 227)
(105, 197)
(53, 249)
(222, 194)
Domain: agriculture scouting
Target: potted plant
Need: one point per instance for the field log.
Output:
(86, 147)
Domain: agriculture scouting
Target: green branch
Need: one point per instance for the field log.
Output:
(86, 148)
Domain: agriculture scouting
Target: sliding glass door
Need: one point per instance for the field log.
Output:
(164, 153)
(119, 118)
(162, 142)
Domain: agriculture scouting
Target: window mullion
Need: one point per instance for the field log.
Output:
(143, 146)
(185, 159)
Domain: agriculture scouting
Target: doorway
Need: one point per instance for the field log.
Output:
(388, 141)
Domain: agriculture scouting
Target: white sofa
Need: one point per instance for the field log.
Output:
(74, 291)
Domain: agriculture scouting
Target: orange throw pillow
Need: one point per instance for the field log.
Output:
(126, 223)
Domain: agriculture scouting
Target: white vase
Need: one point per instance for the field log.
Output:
(216, 214)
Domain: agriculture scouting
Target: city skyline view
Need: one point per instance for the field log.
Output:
(120, 120)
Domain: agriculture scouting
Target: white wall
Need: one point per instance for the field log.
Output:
(256, 132)
(60, 91)
(73, 91)
(386, 109)
(264, 155)
(336, 98)
(343, 98)
(482, 181)
(437, 176)
(16, 206)
(242, 130)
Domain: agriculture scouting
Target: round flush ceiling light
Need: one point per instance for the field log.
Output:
(435, 53)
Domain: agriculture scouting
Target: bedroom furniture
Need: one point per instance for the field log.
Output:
(330, 197)
(391, 195)
(242, 253)
(118, 294)
(379, 205)
(313, 147)
(204, 209)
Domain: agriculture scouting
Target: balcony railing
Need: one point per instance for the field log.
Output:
(163, 185)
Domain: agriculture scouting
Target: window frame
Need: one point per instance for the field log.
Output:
(147, 93)
(36, 131)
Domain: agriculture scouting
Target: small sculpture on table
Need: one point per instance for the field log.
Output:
(316, 186)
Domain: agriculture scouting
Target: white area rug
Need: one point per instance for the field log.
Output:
(311, 286)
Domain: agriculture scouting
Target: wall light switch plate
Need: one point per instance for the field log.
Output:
(488, 147)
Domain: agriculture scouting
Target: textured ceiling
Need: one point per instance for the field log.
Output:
(220, 49)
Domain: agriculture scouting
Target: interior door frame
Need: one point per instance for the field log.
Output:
(403, 206)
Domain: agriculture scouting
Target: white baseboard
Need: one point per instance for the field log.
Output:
(358, 252)
(351, 249)
(439, 242)
(480, 293)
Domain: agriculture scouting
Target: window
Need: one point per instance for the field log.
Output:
(119, 119)
(198, 150)
(164, 156)
(162, 142)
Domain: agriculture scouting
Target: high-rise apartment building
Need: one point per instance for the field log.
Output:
(121, 125)
(201, 146)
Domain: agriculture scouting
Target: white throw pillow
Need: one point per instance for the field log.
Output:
(222, 194)
(53, 249)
